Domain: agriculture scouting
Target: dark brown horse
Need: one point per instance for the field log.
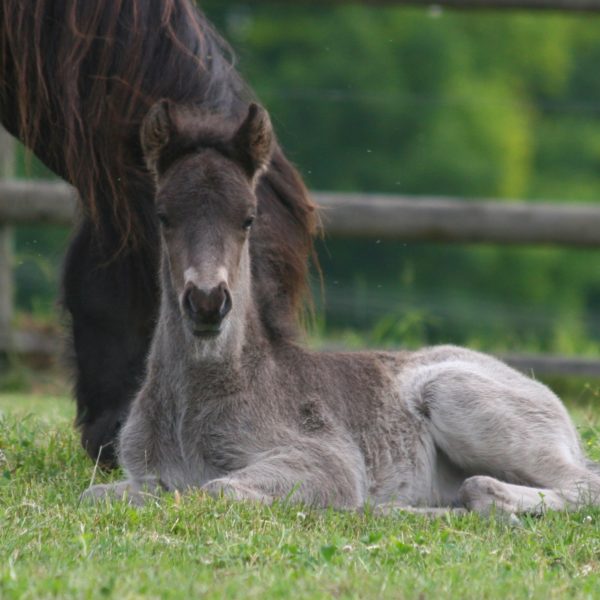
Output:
(76, 79)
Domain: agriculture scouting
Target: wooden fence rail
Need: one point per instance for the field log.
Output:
(27, 202)
(452, 220)
(589, 6)
(414, 218)
(347, 215)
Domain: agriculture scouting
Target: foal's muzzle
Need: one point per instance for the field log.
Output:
(206, 308)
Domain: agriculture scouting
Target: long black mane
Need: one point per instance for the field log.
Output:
(77, 78)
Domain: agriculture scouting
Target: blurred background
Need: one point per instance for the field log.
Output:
(416, 101)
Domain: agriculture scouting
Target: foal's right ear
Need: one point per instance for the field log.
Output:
(155, 132)
(253, 141)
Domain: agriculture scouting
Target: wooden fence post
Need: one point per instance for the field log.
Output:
(7, 170)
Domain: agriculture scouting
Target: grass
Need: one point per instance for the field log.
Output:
(193, 546)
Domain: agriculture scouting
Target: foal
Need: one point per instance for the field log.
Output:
(231, 409)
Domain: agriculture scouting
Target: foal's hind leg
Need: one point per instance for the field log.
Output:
(482, 494)
(511, 433)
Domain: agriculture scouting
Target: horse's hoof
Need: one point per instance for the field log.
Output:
(98, 438)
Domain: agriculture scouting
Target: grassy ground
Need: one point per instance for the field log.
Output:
(193, 546)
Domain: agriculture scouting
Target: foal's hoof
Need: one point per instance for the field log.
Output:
(123, 491)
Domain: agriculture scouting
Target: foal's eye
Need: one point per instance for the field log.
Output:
(248, 223)
(163, 219)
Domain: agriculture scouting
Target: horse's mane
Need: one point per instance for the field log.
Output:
(77, 78)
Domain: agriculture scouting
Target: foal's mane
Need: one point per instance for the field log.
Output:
(78, 76)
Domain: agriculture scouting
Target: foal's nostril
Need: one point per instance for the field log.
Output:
(226, 303)
(192, 301)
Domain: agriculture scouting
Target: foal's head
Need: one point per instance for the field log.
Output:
(206, 172)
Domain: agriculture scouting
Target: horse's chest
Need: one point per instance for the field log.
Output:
(198, 450)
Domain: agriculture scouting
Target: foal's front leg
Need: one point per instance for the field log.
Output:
(316, 474)
(132, 492)
(138, 456)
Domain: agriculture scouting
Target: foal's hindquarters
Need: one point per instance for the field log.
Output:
(497, 438)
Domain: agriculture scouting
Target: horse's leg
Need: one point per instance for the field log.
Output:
(111, 301)
(513, 436)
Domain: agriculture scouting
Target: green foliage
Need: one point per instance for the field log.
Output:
(13, 377)
(39, 251)
(399, 100)
(394, 99)
(193, 546)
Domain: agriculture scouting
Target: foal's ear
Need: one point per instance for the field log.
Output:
(253, 141)
(155, 132)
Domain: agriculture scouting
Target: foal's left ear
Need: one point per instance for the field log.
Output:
(155, 133)
(253, 141)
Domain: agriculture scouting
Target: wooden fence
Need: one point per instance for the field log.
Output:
(355, 215)
(589, 6)
(343, 215)
(347, 215)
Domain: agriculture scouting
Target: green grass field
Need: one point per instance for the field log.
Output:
(193, 546)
